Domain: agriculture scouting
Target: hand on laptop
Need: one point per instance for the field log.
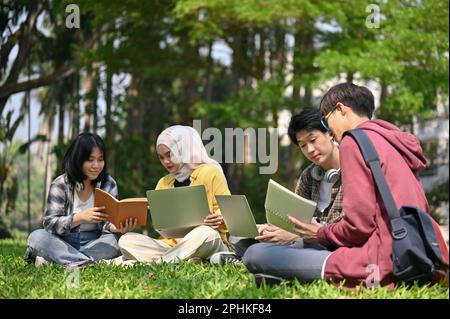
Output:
(213, 220)
(273, 234)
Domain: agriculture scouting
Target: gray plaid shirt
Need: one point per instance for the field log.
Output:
(309, 188)
(59, 210)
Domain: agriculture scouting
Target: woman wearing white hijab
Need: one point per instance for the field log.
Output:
(181, 152)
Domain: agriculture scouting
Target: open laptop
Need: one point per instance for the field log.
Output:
(176, 211)
(237, 215)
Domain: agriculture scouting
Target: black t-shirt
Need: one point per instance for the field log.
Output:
(186, 182)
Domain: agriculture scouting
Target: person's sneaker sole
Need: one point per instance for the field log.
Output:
(223, 258)
(267, 280)
(195, 260)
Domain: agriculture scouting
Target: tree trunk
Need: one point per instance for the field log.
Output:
(349, 77)
(307, 97)
(234, 43)
(108, 102)
(88, 84)
(261, 57)
(94, 103)
(109, 136)
(61, 115)
(133, 111)
(296, 67)
(189, 90)
(29, 158)
(304, 54)
(209, 74)
(47, 175)
(280, 48)
(75, 106)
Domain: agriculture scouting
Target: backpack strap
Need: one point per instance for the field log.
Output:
(372, 160)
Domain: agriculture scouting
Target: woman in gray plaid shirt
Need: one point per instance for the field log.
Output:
(75, 231)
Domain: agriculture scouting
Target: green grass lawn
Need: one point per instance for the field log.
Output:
(185, 280)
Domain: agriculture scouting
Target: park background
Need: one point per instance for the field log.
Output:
(128, 69)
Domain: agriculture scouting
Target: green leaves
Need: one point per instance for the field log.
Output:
(249, 107)
(38, 138)
(8, 127)
(402, 104)
(408, 54)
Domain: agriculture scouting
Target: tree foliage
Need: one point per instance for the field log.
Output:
(136, 67)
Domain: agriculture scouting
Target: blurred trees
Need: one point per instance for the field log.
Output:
(136, 67)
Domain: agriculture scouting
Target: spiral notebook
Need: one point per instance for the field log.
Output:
(281, 202)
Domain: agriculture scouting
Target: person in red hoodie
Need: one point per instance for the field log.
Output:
(360, 244)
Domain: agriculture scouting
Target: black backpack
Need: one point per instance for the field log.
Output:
(416, 253)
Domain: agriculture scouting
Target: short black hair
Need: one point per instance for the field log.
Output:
(308, 119)
(78, 152)
(358, 98)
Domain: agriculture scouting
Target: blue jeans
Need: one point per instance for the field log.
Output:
(301, 262)
(76, 246)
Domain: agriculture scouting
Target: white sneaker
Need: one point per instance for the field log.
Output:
(40, 261)
(118, 261)
(222, 258)
(195, 260)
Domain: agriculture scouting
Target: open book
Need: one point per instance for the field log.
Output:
(281, 202)
(176, 211)
(120, 210)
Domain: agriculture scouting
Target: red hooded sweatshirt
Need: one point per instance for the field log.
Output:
(362, 238)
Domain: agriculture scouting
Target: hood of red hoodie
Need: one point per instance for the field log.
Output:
(405, 143)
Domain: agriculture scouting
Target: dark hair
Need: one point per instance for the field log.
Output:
(79, 152)
(358, 98)
(308, 119)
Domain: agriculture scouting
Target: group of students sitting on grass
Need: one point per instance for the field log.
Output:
(349, 232)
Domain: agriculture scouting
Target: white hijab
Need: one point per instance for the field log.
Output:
(186, 147)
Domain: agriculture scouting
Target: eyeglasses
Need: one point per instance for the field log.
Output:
(324, 119)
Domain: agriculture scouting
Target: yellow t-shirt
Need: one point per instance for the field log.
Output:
(215, 184)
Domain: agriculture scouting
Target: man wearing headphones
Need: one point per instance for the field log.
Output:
(320, 182)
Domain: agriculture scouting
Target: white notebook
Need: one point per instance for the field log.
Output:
(281, 202)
